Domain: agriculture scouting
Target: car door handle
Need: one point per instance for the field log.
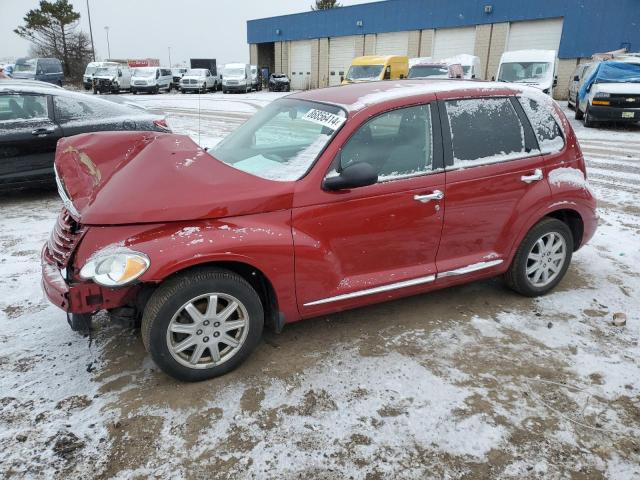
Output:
(43, 131)
(436, 195)
(537, 176)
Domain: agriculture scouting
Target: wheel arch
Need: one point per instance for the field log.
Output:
(258, 280)
(574, 221)
(570, 216)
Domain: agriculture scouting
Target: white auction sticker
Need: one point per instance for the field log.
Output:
(329, 120)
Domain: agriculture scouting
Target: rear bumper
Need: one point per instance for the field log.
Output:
(85, 297)
(614, 114)
(589, 225)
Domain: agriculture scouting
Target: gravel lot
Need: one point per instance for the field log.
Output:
(469, 382)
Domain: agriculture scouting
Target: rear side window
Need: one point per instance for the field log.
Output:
(77, 108)
(483, 131)
(544, 125)
(23, 107)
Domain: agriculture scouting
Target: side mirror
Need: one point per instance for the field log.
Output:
(493, 78)
(576, 78)
(473, 76)
(157, 74)
(555, 80)
(119, 73)
(354, 176)
(341, 78)
(387, 74)
(401, 76)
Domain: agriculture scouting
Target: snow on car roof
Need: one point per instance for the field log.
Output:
(357, 96)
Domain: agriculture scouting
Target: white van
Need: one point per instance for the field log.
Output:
(111, 79)
(470, 64)
(151, 79)
(536, 68)
(236, 77)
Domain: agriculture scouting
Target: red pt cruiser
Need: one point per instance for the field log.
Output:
(323, 201)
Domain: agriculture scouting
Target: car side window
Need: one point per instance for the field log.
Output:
(71, 109)
(23, 107)
(484, 130)
(397, 143)
(544, 125)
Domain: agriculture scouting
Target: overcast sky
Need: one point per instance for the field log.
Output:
(146, 28)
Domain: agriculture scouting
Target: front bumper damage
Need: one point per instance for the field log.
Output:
(81, 297)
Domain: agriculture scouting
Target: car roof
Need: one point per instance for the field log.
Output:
(28, 83)
(358, 96)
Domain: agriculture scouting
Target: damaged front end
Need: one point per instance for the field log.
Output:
(105, 85)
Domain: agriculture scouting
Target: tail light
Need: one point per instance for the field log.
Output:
(162, 124)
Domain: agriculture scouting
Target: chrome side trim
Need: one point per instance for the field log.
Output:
(66, 201)
(474, 267)
(371, 291)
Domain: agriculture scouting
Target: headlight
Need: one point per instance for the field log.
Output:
(602, 95)
(114, 268)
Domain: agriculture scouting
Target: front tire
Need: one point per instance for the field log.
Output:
(578, 113)
(542, 259)
(202, 324)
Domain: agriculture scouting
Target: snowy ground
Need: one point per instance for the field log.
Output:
(473, 381)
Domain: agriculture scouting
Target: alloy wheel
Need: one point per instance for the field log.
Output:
(207, 330)
(545, 259)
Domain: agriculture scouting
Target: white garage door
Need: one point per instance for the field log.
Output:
(342, 51)
(453, 41)
(538, 34)
(394, 43)
(300, 64)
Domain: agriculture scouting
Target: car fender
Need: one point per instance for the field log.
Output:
(556, 204)
(262, 241)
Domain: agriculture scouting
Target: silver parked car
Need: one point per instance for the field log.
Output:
(574, 84)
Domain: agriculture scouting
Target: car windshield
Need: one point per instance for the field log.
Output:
(364, 72)
(523, 71)
(234, 72)
(90, 70)
(197, 72)
(466, 69)
(107, 71)
(282, 140)
(28, 66)
(281, 77)
(424, 71)
(144, 72)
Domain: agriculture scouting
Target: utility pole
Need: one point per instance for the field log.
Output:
(106, 29)
(93, 50)
(169, 56)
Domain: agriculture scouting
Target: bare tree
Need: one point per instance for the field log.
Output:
(53, 31)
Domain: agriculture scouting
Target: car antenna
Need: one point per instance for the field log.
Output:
(199, 144)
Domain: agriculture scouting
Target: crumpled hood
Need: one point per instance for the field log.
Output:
(116, 178)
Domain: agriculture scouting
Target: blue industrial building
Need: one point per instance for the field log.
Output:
(574, 28)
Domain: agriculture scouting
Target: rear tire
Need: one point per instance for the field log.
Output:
(547, 247)
(171, 308)
(578, 113)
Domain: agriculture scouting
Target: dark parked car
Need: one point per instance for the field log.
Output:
(43, 69)
(34, 118)
(279, 82)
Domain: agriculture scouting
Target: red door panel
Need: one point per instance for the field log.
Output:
(364, 242)
(485, 205)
